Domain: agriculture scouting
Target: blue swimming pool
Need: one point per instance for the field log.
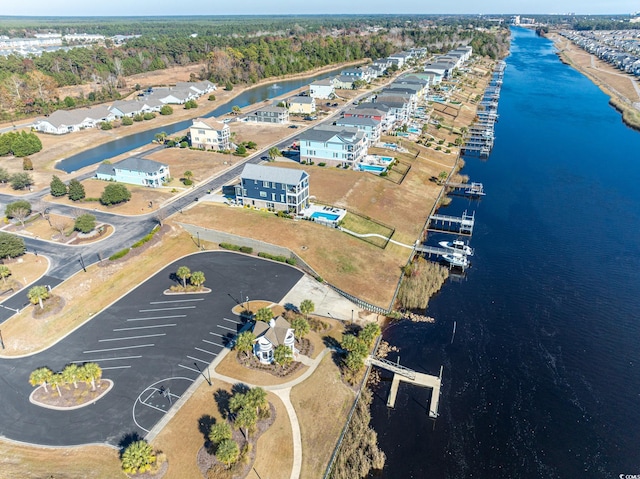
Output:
(373, 168)
(385, 159)
(325, 216)
(393, 146)
(413, 130)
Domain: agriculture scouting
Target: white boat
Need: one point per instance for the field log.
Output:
(458, 247)
(456, 259)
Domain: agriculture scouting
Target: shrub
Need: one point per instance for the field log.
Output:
(114, 194)
(228, 86)
(76, 190)
(246, 249)
(190, 104)
(148, 116)
(106, 125)
(322, 163)
(17, 206)
(11, 245)
(138, 117)
(146, 238)
(276, 257)
(20, 181)
(212, 98)
(235, 247)
(27, 164)
(166, 110)
(127, 121)
(85, 223)
(384, 173)
(183, 144)
(119, 254)
(57, 186)
(187, 182)
(241, 150)
(171, 143)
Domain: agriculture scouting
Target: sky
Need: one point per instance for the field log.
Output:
(271, 7)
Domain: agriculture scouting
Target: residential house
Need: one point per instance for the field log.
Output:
(401, 106)
(444, 69)
(359, 73)
(269, 114)
(374, 111)
(370, 127)
(273, 188)
(269, 336)
(344, 82)
(172, 95)
(302, 105)
(399, 59)
(135, 171)
(131, 108)
(199, 87)
(67, 121)
(333, 145)
(419, 85)
(322, 89)
(210, 134)
(465, 52)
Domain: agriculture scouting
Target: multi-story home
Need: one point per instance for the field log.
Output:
(269, 114)
(375, 111)
(271, 335)
(210, 134)
(401, 106)
(344, 82)
(370, 127)
(323, 89)
(333, 145)
(302, 105)
(135, 171)
(273, 188)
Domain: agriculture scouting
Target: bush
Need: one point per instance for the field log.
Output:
(322, 163)
(19, 181)
(85, 223)
(170, 143)
(187, 182)
(190, 104)
(20, 205)
(228, 86)
(166, 110)
(138, 117)
(76, 190)
(235, 247)
(127, 121)
(146, 238)
(280, 258)
(11, 246)
(27, 164)
(106, 125)
(212, 98)
(384, 173)
(114, 194)
(148, 116)
(119, 254)
(241, 150)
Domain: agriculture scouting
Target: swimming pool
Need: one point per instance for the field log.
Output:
(393, 146)
(372, 168)
(325, 216)
(413, 130)
(385, 159)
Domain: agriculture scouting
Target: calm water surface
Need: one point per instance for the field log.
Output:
(543, 377)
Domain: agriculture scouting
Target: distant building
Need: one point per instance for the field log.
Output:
(273, 188)
(135, 171)
(210, 134)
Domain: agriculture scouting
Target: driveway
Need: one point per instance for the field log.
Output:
(153, 346)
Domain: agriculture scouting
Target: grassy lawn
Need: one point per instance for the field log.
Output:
(24, 270)
(23, 335)
(361, 225)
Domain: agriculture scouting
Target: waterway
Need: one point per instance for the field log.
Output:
(542, 379)
(131, 142)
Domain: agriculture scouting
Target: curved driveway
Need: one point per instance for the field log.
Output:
(153, 346)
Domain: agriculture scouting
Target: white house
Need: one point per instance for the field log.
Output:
(333, 145)
(323, 89)
(135, 171)
(131, 108)
(63, 121)
(271, 335)
(210, 134)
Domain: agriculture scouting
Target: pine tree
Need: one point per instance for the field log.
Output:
(58, 188)
(76, 190)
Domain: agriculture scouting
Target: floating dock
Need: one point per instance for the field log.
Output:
(465, 223)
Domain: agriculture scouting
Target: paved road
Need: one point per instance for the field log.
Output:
(145, 341)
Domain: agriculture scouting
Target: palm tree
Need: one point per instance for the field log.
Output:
(244, 342)
(71, 374)
(138, 457)
(246, 418)
(264, 314)
(188, 175)
(90, 373)
(219, 432)
(183, 273)
(237, 402)
(282, 355)
(300, 327)
(307, 307)
(37, 294)
(257, 398)
(228, 452)
(4, 272)
(40, 377)
(274, 152)
(56, 380)
(197, 279)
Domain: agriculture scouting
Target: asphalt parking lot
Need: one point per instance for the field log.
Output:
(152, 345)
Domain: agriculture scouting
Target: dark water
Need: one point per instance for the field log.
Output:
(127, 143)
(543, 377)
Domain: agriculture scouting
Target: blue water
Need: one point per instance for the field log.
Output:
(373, 168)
(127, 143)
(326, 216)
(542, 379)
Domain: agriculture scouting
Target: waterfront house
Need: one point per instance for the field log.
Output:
(302, 105)
(135, 171)
(199, 88)
(322, 89)
(344, 82)
(273, 188)
(333, 145)
(375, 111)
(131, 108)
(370, 127)
(67, 121)
(210, 134)
(172, 95)
(269, 336)
(275, 115)
(444, 69)
(400, 106)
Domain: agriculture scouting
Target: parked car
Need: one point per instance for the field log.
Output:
(293, 126)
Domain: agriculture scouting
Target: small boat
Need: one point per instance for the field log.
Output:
(458, 247)
(456, 259)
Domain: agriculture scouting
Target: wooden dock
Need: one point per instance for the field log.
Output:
(465, 222)
(401, 373)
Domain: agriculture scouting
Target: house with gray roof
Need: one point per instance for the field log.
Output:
(323, 89)
(199, 87)
(67, 121)
(370, 127)
(273, 188)
(274, 115)
(135, 171)
(333, 145)
(131, 108)
(301, 105)
(269, 336)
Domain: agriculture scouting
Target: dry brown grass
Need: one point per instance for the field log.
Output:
(26, 462)
(23, 335)
(24, 271)
(321, 416)
(230, 367)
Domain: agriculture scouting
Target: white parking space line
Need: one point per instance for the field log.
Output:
(231, 320)
(146, 327)
(106, 359)
(158, 317)
(165, 309)
(133, 337)
(208, 352)
(176, 301)
(190, 369)
(116, 367)
(118, 349)
(198, 359)
(228, 329)
(211, 342)
(216, 334)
